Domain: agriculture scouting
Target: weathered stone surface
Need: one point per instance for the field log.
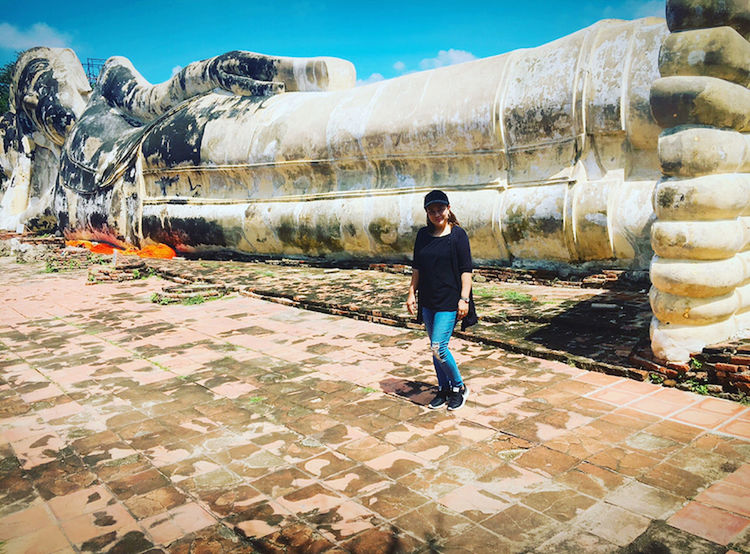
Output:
(698, 240)
(693, 151)
(683, 15)
(705, 198)
(670, 308)
(660, 537)
(682, 100)
(721, 52)
(699, 278)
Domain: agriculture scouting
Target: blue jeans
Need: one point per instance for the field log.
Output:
(439, 326)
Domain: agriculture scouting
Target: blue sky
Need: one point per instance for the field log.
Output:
(383, 39)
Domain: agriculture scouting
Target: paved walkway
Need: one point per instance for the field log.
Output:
(240, 425)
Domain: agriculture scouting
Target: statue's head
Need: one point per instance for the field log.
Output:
(48, 92)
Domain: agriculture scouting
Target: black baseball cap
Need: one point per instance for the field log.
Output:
(436, 197)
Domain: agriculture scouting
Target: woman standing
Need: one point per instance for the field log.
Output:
(442, 274)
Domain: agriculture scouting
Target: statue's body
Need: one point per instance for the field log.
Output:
(549, 154)
(522, 138)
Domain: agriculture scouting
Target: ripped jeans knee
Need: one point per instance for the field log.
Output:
(439, 351)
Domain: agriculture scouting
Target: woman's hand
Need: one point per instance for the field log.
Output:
(411, 299)
(463, 309)
(411, 304)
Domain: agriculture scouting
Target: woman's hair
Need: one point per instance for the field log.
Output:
(451, 219)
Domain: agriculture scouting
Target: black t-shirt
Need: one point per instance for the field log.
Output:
(439, 286)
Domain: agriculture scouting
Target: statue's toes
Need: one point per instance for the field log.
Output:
(687, 100)
(719, 52)
(684, 15)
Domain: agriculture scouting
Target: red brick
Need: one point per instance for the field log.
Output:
(645, 363)
(740, 360)
(682, 368)
(671, 373)
(729, 368)
(744, 377)
(638, 374)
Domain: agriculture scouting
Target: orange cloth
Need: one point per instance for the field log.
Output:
(161, 251)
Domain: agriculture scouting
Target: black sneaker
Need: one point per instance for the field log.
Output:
(457, 397)
(440, 399)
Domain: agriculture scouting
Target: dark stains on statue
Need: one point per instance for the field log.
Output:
(118, 85)
(36, 101)
(519, 226)
(189, 232)
(310, 238)
(175, 140)
(251, 73)
(165, 182)
(385, 232)
(193, 188)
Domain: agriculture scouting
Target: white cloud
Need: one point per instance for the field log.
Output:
(399, 66)
(39, 34)
(374, 78)
(447, 57)
(176, 69)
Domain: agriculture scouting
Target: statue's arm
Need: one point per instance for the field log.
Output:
(239, 72)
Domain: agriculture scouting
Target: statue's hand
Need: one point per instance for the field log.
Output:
(245, 73)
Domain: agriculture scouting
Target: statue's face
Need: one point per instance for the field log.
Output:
(51, 92)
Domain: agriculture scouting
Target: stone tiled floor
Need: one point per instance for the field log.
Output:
(240, 425)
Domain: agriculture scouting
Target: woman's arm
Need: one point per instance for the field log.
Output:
(411, 299)
(463, 305)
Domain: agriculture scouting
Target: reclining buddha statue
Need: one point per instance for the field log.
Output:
(590, 150)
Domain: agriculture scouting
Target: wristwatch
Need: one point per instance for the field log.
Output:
(465, 299)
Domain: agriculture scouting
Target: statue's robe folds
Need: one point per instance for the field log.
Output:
(547, 154)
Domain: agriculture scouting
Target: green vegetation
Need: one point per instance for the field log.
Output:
(148, 272)
(695, 364)
(157, 298)
(518, 297)
(162, 299)
(696, 387)
(513, 296)
(656, 378)
(483, 292)
(368, 390)
(6, 76)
